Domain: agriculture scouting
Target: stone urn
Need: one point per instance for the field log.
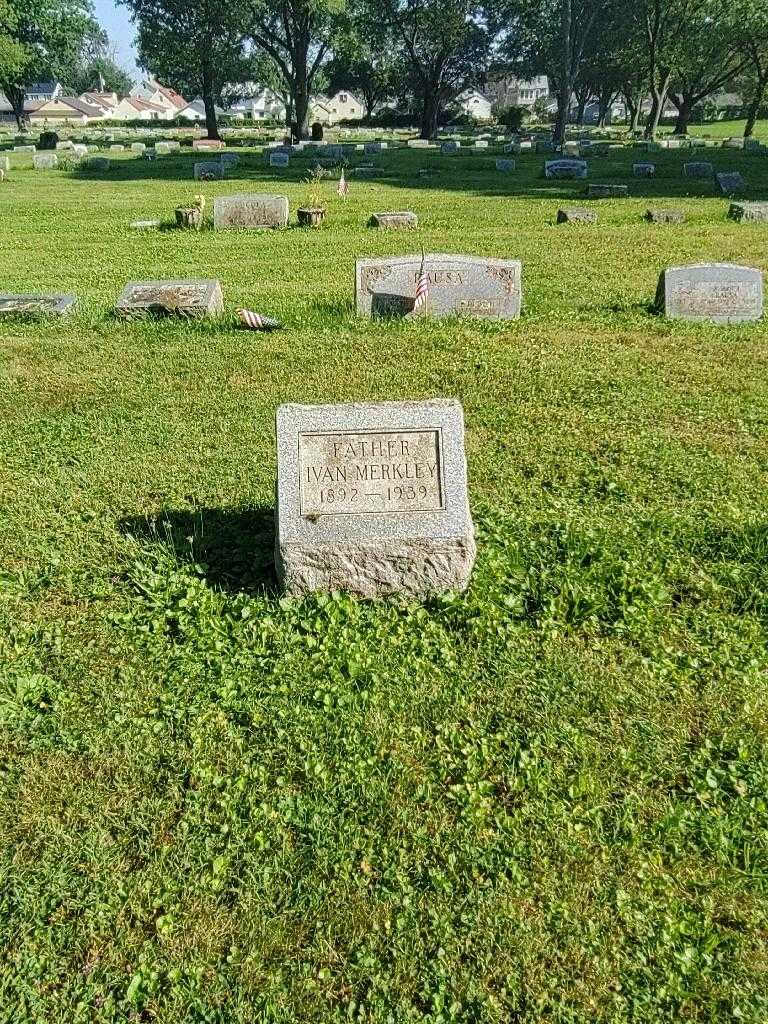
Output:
(189, 217)
(311, 216)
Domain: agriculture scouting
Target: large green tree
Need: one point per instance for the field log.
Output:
(298, 36)
(40, 39)
(367, 59)
(196, 48)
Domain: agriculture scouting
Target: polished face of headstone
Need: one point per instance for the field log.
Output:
(505, 165)
(197, 297)
(394, 219)
(748, 211)
(253, 210)
(449, 148)
(44, 305)
(731, 183)
(209, 170)
(372, 499)
(278, 159)
(699, 170)
(333, 152)
(644, 170)
(720, 292)
(464, 285)
(565, 169)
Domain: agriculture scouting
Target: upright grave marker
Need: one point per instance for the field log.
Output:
(372, 499)
(278, 158)
(458, 285)
(718, 292)
(699, 169)
(644, 170)
(748, 212)
(565, 169)
(209, 170)
(46, 161)
(731, 183)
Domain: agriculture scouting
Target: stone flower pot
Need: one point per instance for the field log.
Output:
(189, 217)
(311, 216)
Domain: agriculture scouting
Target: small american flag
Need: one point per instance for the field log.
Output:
(257, 322)
(422, 286)
(343, 188)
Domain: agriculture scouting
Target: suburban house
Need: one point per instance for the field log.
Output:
(131, 108)
(473, 103)
(258, 105)
(195, 111)
(65, 109)
(329, 110)
(105, 101)
(160, 96)
(507, 90)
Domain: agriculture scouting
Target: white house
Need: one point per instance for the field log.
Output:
(507, 90)
(160, 96)
(131, 108)
(105, 101)
(343, 106)
(195, 111)
(260, 105)
(65, 109)
(474, 103)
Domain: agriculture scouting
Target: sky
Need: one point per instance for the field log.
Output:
(115, 19)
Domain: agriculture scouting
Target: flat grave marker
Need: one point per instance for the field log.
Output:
(655, 216)
(251, 210)
(506, 166)
(699, 169)
(45, 161)
(576, 215)
(194, 297)
(644, 170)
(372, 499)
(607, 191)
(396, 219)
(33, 304)
(279, 159)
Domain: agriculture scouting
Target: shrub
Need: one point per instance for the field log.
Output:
(317, 131)
(48, 140)
(513, 117)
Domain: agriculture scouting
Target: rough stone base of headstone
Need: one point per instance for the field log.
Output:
(665, 216)
(576, 215)
(395, 219)
(391, 536)
(748, 212)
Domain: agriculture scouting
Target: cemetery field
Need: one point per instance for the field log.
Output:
(543, 800)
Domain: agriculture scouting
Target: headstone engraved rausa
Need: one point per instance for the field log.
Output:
(718, 292)
(254, 210)
(196, 297)
(748, 212)
(372, 499)
(36, 305)
(458, 285)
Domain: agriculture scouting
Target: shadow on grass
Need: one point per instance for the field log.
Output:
(235, 548)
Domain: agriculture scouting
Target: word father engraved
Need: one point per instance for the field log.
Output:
(370, 472)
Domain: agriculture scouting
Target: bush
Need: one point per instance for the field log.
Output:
(317, 131)
(513, 117)
(393, 119)
(48, 140)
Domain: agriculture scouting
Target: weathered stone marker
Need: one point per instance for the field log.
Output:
(458, 285)
(278, 158)
(207, 144)
(644, 170)
(720, 292)
(607, 191)
(367, 172)
(5, 163)
(333, 152)
(138, 147)
(699, 170)
(209, 170)
(665, 216)
(748, 212)
(253, 210)
(45, 161)
(731, 183)
(505, 165)
(395, 219)
(197, 297)
(372, 499)
(576, 215)
(449, 148)
(36, 305)
(25, 149)
(565, 169)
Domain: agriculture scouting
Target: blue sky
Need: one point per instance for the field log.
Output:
(116, 20)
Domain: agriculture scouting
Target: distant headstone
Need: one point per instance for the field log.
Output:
(189, 298)
(36, 305)
(368, 172)
(731, 183)
(372, 499)
(449, 148)
(45, 161)
(481, 144)
(145, 225)
(207, 144)
(25, 149)
(737, 143)
(699, 169)
(80, 150)
(644, 170)
(5, 163)
(395, 219)
(372, 148)
(162, 148)
(209, 170)
(719, 292)
(463, 285)
(418, 143)
(138, 147)
(665, 216)
(116, 148)
(565, 168)
(64, 144)
(505, 165)
(576, 215)
(607, 191)
(250, 210)
(229, 159)
(572, 149)
(545, 147)
(748, 212)
(673, 144)
(278, 159)
(333, 152)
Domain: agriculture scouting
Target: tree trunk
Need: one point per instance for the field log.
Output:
(633, 109)
(685, 104)
(209, 103)
(605, 101)
(561, 119)
(566, 73)
(659, 96)
(755, 104)
(581, 106)
(16, 96)
(430, 112)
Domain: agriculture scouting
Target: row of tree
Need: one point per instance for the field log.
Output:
(428, 51)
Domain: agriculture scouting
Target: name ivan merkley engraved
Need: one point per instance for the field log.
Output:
(392, 470)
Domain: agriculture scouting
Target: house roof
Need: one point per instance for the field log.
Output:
(199, 107)
(170, 94)
(139, 104)
(81, 106)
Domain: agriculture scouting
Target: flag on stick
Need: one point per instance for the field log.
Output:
(421, 300)
(343, 188)
(257, 322)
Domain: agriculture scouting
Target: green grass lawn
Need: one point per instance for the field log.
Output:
(544, 800)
